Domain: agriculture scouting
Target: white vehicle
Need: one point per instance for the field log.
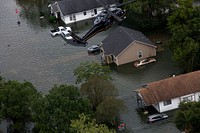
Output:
(66, 33)
(60, 30)
(144, 61)
(156, 117)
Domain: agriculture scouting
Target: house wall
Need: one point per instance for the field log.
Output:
(130, 53)
(80, 16)
(175, 102)
(173, 105)
(197, 96)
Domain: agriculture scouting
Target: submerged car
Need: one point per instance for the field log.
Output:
(156, 117)
(66, 33)
(94, 49)
(60, 30)
(144, 61)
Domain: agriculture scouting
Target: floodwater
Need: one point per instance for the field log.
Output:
(28, 52)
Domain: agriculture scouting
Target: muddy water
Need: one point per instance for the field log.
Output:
(28, 52)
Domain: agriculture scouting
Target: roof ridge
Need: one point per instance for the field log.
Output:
(125, 30)
(153, 94)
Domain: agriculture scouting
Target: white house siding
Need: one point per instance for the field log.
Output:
(174, 105)
(175, 102)
(80, 16)
(197, 96)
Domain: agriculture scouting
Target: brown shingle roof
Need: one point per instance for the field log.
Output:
(171, 88)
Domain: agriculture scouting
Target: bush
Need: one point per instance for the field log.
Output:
(52, 19)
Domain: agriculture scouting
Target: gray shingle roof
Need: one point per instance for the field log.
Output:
(74, 6)
(121, 38)
(54, 7)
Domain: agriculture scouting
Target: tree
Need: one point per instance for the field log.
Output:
(96, 89)
(102, 94)
(86, 125)
(87, 70)
(184, 27)
(151, 13)
(187, 55)
(62, 104)
(108, 110)
(187, 117)
(16, 100)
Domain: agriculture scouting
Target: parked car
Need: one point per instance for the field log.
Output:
(144, 61)
(66, 33)
(60, 30)
(94, 49)
(156, 117)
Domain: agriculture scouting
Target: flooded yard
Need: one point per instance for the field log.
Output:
(28, 52)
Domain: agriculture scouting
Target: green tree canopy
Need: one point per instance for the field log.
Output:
(16, 102)
(108, 110)
(187, 117)
(96, 89)
(62, 104)
(87, 70)
(85, 125)
(184, 27)
(151, 13)
(102, 94)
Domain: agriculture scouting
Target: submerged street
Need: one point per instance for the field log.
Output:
(28, 52)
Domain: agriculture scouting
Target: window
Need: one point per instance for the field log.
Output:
(167, 102)
(187, 99)
(95, 11)
(70, 17)
(74, 17)
(139, 54)
(84, 13)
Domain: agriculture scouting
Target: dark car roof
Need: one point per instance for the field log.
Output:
(121, 38)
(74, 6)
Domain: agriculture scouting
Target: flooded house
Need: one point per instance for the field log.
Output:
(165, 95)
(125, 45)
(70, 11)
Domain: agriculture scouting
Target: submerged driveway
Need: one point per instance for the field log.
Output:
(127, 79)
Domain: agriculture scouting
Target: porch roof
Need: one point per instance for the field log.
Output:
(170, 88)
(54, 7)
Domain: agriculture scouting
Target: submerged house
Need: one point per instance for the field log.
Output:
(165, 95)
(125, 45)
(70, 11)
